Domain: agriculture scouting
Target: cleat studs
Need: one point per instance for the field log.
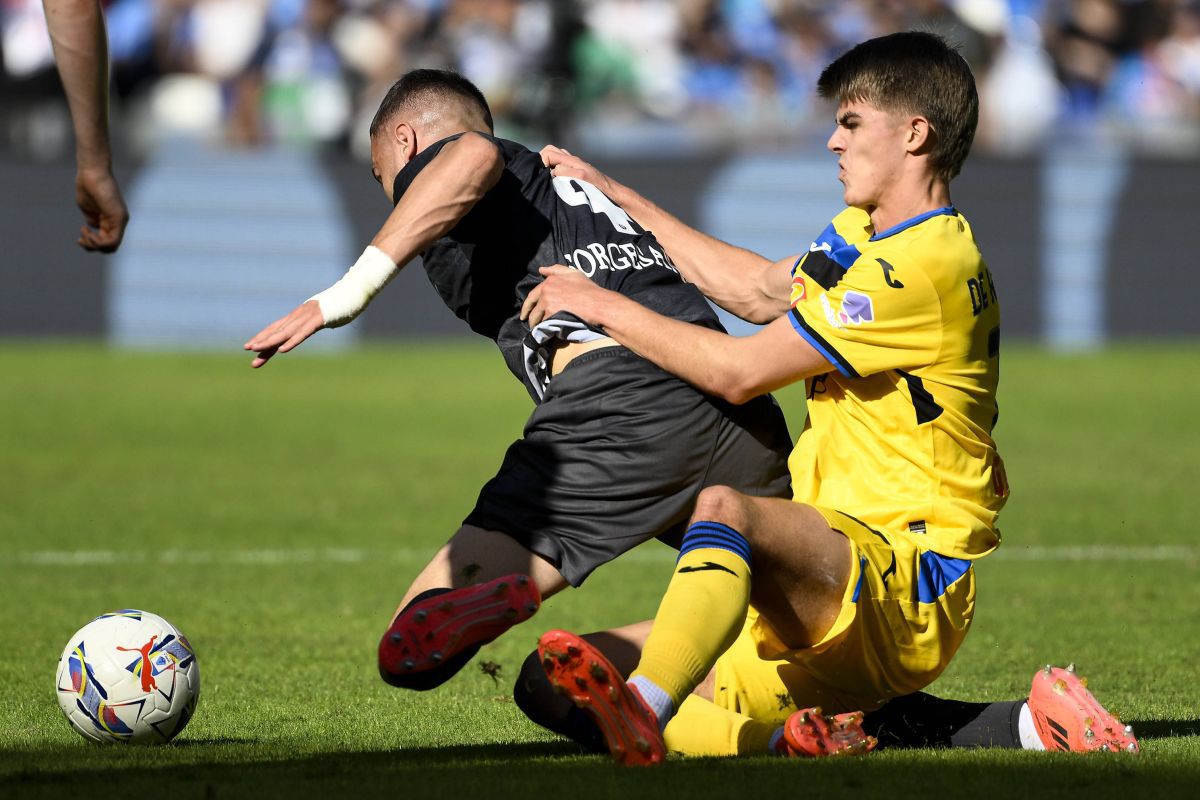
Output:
(1129, 730)
(530, 608)
(501, 587)
(613, 694)
(1089, 734)
(598, 672)
(396, 638)
(581, 683)
(1071, 667)
(510, 614)
(547, 661)
(1059, 686)
(1083, 682)
(522, 580)
(420, 615)
(1131, 747)
(572, 651)
(435, 657)
(1047, 669)
(641, 745)
(408, 665)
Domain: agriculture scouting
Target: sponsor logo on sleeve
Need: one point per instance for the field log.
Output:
(856, 309)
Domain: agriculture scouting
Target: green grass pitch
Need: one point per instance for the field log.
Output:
(276, 517)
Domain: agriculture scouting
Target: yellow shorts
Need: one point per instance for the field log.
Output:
(904, 614)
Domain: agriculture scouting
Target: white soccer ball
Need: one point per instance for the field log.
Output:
(128, 676)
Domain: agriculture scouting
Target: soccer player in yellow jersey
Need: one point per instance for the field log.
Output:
(863, 586)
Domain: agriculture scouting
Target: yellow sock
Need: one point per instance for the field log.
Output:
(702, 612)
(702, 728)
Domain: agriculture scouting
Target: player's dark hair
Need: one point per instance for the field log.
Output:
(430, 87)
(912, 72)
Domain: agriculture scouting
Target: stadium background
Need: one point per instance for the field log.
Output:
(240, 137)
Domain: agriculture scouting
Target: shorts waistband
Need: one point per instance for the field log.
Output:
(616, 350)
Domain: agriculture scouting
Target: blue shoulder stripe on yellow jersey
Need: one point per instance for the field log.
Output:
(828, 258)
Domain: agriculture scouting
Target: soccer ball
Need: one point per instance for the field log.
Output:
(128, 676)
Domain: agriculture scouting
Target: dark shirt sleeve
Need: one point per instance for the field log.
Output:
(411, 170)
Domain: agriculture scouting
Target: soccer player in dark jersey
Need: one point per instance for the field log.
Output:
(863, 584)
(615, 451)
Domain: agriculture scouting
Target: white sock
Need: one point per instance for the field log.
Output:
(656, 697)
(1028, 733)
(775, 737)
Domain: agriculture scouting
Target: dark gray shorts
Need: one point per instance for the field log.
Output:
(617, 453)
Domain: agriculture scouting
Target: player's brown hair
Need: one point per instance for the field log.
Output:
(431, 87)
(912, 72)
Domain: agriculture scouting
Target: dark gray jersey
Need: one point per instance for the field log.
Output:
(487, 264)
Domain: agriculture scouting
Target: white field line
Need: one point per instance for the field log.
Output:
(413, 556)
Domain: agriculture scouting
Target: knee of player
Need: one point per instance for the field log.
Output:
(722, 504)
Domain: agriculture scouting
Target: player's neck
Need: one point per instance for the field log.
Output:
(903, 203)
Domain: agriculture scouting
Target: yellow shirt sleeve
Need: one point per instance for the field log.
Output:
(882, 313)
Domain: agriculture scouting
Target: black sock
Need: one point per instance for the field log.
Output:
(922, 720)
(536, 697)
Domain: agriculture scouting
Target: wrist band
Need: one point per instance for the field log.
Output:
(346, 299)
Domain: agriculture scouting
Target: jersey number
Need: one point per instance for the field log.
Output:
(575, 192)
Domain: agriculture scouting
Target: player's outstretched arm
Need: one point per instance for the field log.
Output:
(81, 52)
(441, 195)
(740, 281)
(733, 368)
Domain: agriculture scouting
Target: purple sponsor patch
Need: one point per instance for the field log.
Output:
(856, 308)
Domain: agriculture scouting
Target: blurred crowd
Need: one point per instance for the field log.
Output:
(716, 72)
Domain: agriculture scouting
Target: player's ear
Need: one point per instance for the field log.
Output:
(919, 137)
(405, 138)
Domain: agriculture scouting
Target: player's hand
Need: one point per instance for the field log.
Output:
(562, 163)
(564, 289)
(284, 334)
(104, 212)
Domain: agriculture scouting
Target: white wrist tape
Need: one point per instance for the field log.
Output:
(346, 299)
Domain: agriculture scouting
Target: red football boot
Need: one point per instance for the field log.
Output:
(581, 672)
(810, 734)
(1068, 717)
(441, 630)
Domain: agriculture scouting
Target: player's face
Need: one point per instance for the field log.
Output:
(871, 145)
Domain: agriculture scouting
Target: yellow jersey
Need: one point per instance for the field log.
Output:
(899, 435)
